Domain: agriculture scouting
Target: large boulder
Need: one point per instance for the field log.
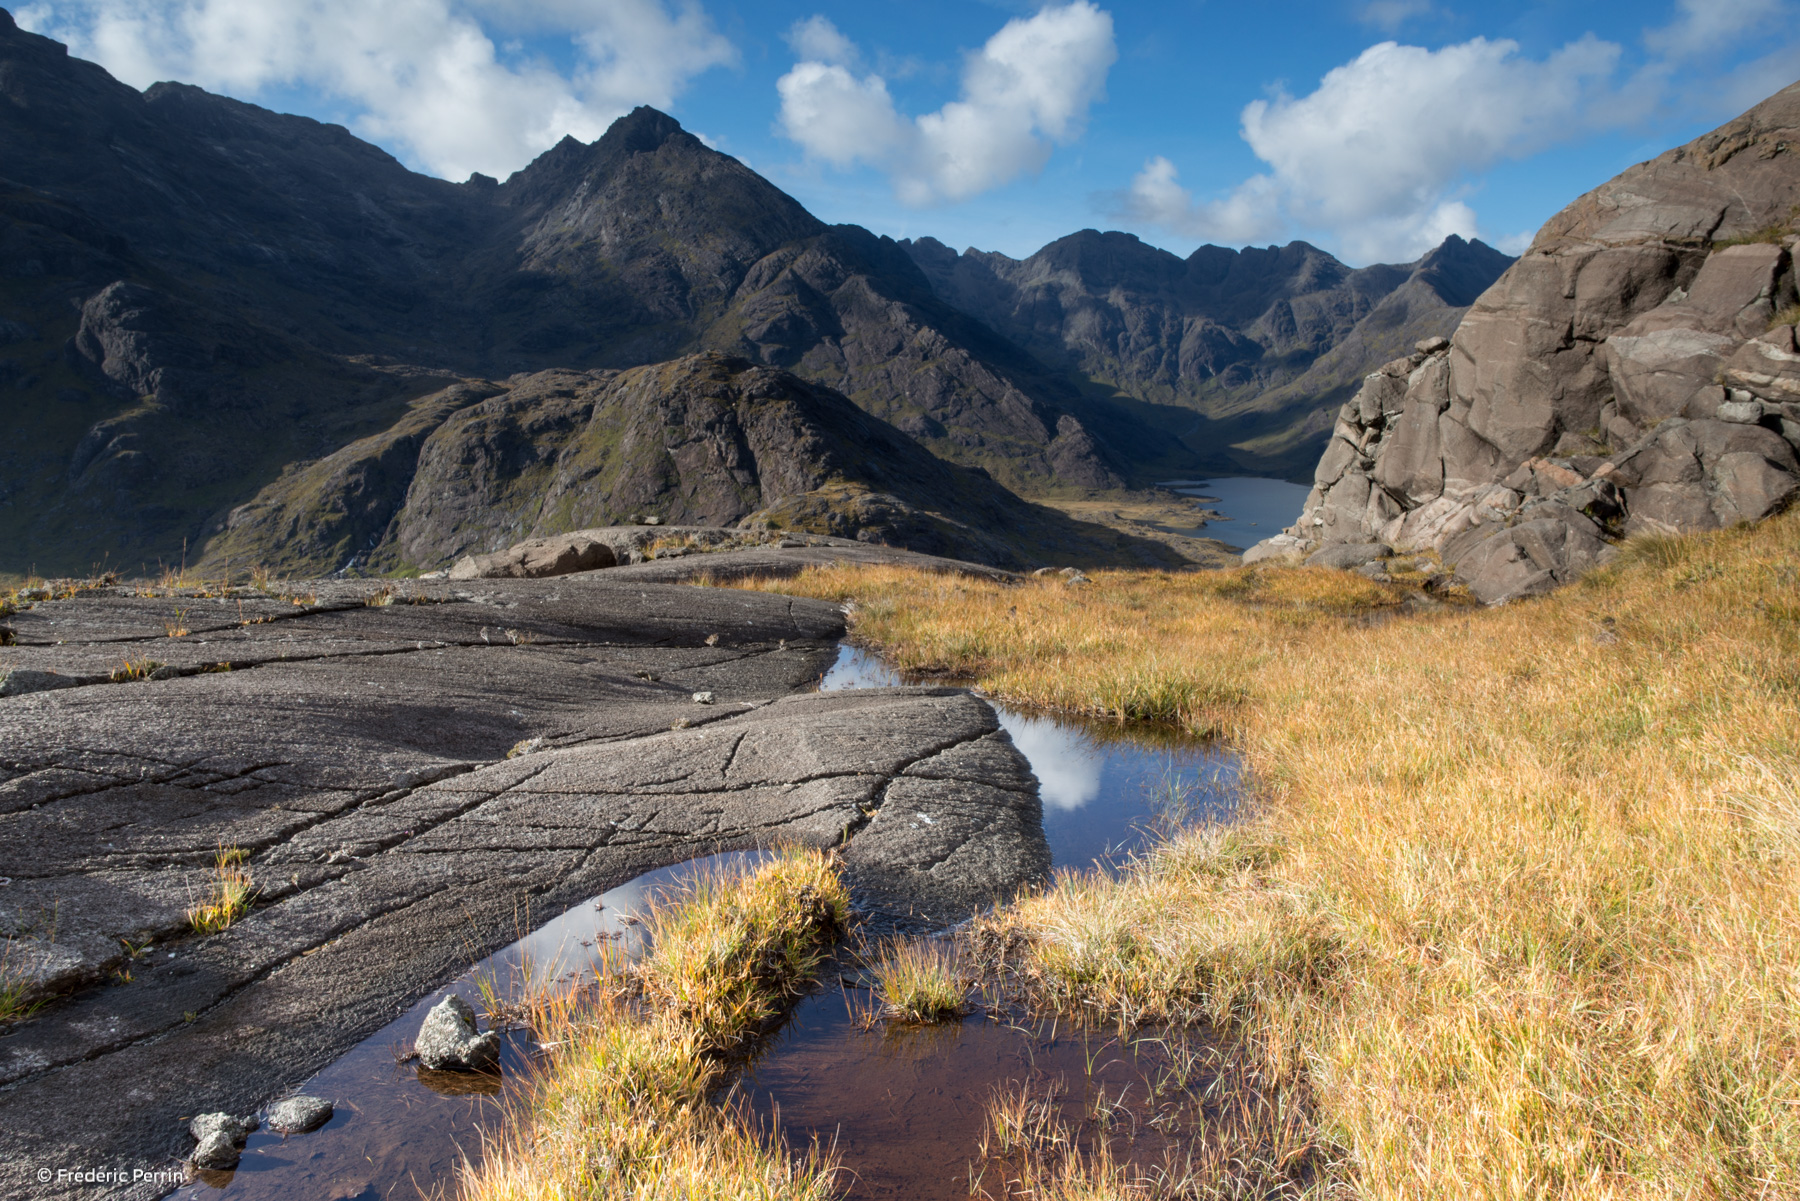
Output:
(538, 558)
(1636, 371)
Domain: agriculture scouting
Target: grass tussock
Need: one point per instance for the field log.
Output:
(1515, 912)
(230, 891)
(919, 981)
(16, 986)
(620, 1108)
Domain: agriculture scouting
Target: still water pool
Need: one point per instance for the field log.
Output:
(903, 1108)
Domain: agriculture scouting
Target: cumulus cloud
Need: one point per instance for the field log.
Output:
(1392, 14)
(421, 76)
(817, 40)
(1028, 88)
(1378, 151)
(1704, 25)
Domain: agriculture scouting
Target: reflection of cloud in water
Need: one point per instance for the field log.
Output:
(1067, 763)
(857, 668)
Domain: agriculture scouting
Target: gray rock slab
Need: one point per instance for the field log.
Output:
(1344, 555)
(404, 788)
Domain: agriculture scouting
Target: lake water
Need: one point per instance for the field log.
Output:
(1254, 508)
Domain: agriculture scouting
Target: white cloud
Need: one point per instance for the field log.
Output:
(422, 76)
(1377, 152)
(1392, 14)
(817, 40)
(1030, 86)
(1704, 25)
(1249, 214)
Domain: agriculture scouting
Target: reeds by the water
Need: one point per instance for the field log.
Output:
(620, 1106)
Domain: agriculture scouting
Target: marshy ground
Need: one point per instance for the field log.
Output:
(1513, 914)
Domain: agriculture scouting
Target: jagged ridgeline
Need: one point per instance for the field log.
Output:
(204, 304)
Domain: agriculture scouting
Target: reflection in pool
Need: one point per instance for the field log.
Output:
(1104, 785)
(911, 1116)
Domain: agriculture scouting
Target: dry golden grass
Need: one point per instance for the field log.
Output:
(229, 893)
(621, 1107)
(919, 981)
(1519, 902)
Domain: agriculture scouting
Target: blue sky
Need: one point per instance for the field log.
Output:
(1369, 127)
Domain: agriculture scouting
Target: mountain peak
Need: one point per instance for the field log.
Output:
(641, 130)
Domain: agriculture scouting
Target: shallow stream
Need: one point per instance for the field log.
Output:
(903, 1107)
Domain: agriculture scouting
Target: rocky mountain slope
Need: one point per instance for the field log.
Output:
(702, 440)
(1242, 355)
(1636, 371)
(196, 293)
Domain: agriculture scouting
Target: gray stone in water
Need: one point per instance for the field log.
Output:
(448, 1042)
(220, 1138)
(297, 1115)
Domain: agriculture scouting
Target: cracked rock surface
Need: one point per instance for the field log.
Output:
(405, 778)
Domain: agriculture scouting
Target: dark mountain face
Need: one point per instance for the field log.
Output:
(705, 439)
(328, 287)
(1257, 342)
(198, 295)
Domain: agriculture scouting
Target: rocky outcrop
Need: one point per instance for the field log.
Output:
(408, 768)
(1635, 372)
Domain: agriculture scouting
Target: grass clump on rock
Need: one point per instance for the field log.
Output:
(229, 893)
(621, 1107)
(1512, 913)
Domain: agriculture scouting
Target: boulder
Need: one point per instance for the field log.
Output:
(448, 1040)
(1282, 548)
(538, 558)
(219, 1140)
(1624, 371)
(20, 680)
(299, 1114)
(1504, 563)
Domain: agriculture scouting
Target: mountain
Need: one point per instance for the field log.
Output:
(701, 440)
(1636, 371)
(201, 300)
(286, 289)
(1242, 355)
